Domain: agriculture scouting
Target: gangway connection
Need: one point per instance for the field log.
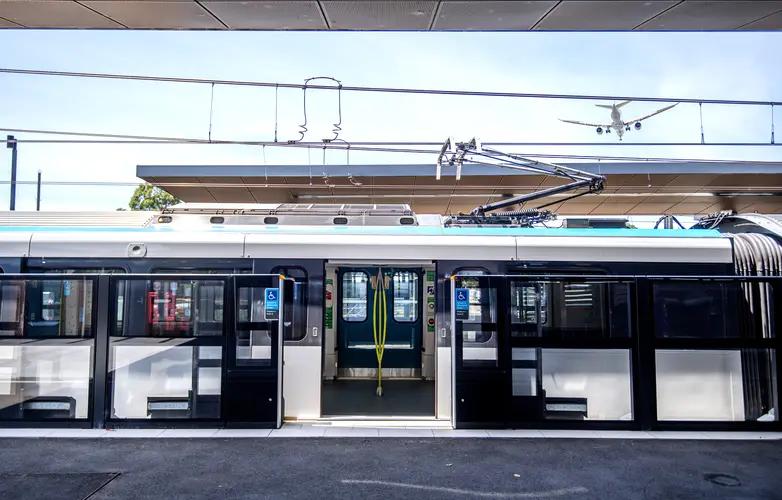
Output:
(455, 154)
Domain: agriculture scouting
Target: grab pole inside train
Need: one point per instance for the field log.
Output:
(379, 327)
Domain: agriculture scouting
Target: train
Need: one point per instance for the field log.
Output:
(349, 275)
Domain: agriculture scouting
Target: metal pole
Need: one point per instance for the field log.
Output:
(11, 144)
(38, 197)
(668, 222)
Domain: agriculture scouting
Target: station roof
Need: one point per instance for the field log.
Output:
(631, 188)
(353, 15)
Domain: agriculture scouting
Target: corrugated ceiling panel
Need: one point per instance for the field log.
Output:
(156, 14)
(601, 15)
(53, 14)
(265, 15)
(356, 15)
(490, 15)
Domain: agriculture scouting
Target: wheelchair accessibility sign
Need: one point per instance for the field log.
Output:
(462, 303)
(272, 304)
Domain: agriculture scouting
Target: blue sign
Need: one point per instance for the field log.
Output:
(272, 303)
(66, 288)
(462, 303)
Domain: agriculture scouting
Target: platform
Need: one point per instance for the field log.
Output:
(380, 429)
(360, 468)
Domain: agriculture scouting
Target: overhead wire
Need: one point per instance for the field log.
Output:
(146, 139)
(719, 190)
(471, 93)
(356, 146)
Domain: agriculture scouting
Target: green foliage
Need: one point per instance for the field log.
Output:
(631, 226)
(149, 197)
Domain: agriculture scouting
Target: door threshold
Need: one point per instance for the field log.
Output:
(377, 421)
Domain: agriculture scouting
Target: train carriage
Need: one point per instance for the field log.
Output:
(167, 318)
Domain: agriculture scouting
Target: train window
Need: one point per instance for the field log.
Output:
(479, 330)
(580, 305)
(254, 347)
(483, 308)
(48, 374)
(569, 309)
(87, 270)
(528, 301)
(47, 308)
(173, 308)
(691, 309)
(294, 309)
(355, 285)
(405, 285)
(213, 291)
(11, 307)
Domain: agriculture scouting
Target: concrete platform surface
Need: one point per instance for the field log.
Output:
(406, 468)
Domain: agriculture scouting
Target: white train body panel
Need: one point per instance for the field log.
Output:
(360, 246)
(302, 244)
(15, 244)
(624, 249)
(151, 244)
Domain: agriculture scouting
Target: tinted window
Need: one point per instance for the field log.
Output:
(172, 308)
(690, 309)
(46, 308)
(564, 309)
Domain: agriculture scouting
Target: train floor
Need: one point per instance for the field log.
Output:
(401, 398)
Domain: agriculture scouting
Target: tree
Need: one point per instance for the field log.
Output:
(149, 197)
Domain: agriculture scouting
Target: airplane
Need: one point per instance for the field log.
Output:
(616, 119)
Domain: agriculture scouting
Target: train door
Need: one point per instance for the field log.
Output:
(254, 373)
(378, 351)
(380, 312)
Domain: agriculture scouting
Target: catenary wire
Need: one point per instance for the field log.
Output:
(464, 93)
(680, 190)
(139, 140)
(147, 139)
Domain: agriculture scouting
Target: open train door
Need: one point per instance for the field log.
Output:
(254, 373)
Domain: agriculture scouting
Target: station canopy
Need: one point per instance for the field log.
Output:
(632, 188)
(352, 15)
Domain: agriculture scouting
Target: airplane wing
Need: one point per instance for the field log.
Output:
(585, 123)
(650, 114)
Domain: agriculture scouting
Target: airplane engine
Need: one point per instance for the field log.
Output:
(638, 125)
(599, 130)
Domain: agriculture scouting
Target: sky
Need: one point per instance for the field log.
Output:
(735, 65)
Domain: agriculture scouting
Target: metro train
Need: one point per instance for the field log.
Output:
(170, 337)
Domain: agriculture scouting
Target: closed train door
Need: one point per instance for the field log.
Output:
(254, 374)
(379, 310)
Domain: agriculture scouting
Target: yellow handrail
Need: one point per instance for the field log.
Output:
(379, 322)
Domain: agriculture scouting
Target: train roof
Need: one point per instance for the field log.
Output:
(302, 219)
(388, 230)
